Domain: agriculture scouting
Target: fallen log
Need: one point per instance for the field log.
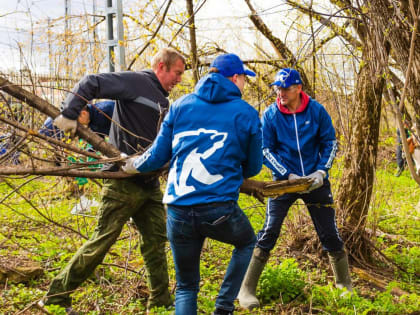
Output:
(376, 281)
(59, 171)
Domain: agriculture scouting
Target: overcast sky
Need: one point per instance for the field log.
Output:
(223, 21)
(17, 16)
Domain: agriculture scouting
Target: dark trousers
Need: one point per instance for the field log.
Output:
(319, 203)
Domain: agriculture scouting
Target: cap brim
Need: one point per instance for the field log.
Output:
(280, 83)
(250, 73)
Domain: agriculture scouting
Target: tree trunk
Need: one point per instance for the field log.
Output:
(355, 188)
(397, 20)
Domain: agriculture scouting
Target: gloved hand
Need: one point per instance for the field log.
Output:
(318, 177)
(128, 166)
(65, 124)
(293, 176)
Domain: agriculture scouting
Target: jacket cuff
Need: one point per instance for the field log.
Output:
(69, 114)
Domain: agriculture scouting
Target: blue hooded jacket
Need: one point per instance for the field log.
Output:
(212, 139)
(98, 122)
(299, 143)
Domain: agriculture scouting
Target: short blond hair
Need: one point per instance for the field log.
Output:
(168, 56)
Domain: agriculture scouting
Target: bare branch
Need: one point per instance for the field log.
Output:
(46, 108)
(153, 36)
(337, 30)
(281, 49)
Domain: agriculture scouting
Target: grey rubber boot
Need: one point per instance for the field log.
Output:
(340, 266)
(247, 295)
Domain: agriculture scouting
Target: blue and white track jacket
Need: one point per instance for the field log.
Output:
(299, 143)
(213, 140)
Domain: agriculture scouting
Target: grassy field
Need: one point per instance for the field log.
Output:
(38, 230)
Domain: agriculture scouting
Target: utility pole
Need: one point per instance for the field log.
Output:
(93, 46)
(111, 11)
(66, 35)
(50, 61)
(94, 20)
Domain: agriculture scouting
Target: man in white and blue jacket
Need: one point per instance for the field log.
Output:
(212, 139)
(298, 141)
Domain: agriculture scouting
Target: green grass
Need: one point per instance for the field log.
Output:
(288, 284)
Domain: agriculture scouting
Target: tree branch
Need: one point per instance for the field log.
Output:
(280, 48)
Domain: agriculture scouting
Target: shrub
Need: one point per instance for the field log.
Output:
(284, 281)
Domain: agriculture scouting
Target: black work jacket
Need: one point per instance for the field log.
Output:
(139, 99)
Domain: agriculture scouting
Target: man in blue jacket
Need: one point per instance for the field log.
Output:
(97, 117)
(212, 139)
(298, 141)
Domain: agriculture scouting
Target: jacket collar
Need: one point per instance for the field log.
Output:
(153, 77)
(304, 101)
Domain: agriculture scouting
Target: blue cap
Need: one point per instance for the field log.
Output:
(287, 77)
(230, 64)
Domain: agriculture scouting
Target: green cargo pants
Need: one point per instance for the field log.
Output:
(121, 199)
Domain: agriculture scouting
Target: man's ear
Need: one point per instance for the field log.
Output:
(235, 78)
(84, 117)
(162, 67)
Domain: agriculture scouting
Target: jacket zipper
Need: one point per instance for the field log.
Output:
(298, 146)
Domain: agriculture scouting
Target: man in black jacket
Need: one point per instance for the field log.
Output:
(140, 98)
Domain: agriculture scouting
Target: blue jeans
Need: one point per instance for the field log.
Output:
(187, 227)
(319, 203)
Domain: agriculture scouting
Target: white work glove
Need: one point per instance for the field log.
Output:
(65, 124)
(318, 177)
(128, 166)
(293, 176)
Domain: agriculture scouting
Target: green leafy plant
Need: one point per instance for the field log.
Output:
(332, 301)
(284, 281)
(56, 309)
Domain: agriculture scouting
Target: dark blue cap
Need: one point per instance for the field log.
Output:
(230, 64)
(287, 77)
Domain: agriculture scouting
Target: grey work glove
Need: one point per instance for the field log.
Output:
(293, 176)
(318, 177)
(65, 124)
(128, 166)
